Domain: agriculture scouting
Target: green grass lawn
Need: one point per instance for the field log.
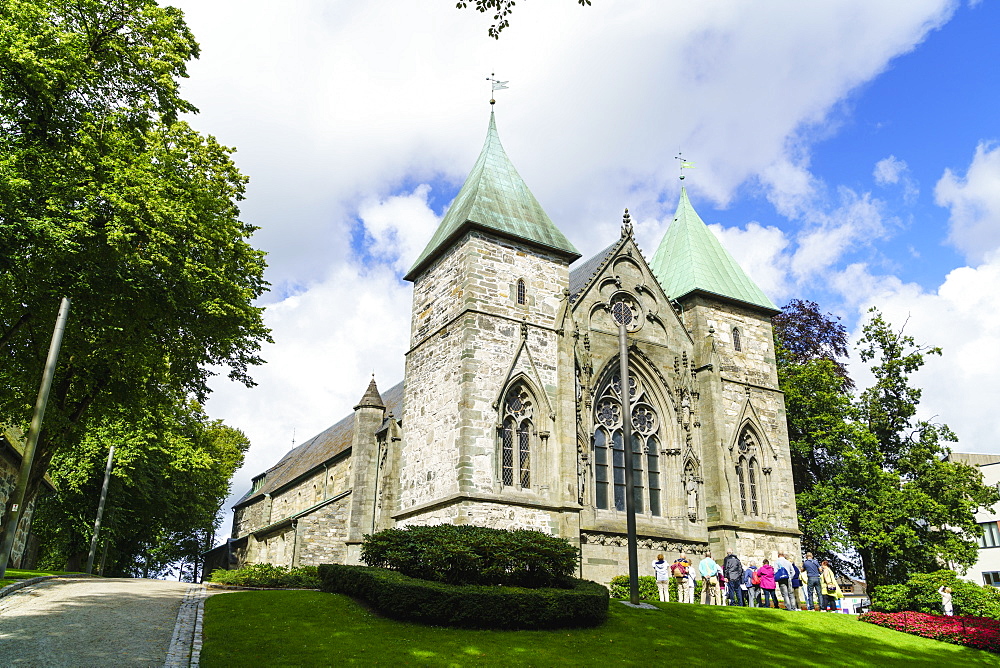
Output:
(13, 575)
(306, 628)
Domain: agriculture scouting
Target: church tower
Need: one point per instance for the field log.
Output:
(483, 371)
(747, 476)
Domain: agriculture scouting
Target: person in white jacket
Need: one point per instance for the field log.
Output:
(946, 600)
(661, 569)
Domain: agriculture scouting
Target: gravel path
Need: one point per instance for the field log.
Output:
(98, 622)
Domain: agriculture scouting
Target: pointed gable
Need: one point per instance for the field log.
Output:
(691, 259)
(495, 198)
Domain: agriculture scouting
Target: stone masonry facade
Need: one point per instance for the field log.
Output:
(511, 412)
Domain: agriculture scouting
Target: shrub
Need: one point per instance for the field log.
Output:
(467, 554)
(920, 594)
(647, 588)
(978, 632)
(268, 577)
(401, 597)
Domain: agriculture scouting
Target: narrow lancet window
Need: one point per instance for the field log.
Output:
(737, 340)
(522, 292)
(740, 467)
(515, 438)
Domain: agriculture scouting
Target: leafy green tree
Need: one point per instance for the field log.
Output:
(810, 347)
(872, 482)
(169, 480)
(501, 10)
(109, 198)
(911, 510)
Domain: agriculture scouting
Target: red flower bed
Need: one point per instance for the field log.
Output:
(977, 632)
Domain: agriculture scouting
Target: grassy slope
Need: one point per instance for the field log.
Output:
(13, 575)
(289, 628)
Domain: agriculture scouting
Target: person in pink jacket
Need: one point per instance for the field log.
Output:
(767, 585)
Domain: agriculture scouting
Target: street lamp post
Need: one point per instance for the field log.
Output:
(100, 510)
(16, 502)
(623, 316)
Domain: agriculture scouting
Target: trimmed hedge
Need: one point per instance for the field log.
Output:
(469, 554)
(268, 576)
(395, 595)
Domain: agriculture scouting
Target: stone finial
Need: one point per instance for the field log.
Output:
(626, 224)
(371, 398)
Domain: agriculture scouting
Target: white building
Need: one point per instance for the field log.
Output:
(986, 571)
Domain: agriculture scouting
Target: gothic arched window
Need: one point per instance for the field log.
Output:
(515, 438)
(749, 467)
(522, 292)
(741, 466)
(609, 450)
(737, 340)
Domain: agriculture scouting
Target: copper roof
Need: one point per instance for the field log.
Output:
(691, 259)
(495, 198)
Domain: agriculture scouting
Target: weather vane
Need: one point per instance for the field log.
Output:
(684, 164)
(497, 85)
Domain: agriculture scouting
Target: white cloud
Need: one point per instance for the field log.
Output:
(342, 109)
(892, 171)
(331, 102)
(974, 201)
(962, 317)
(887, 170)
(829, 235)
(761, 252)
(398, 227)
(328, 342)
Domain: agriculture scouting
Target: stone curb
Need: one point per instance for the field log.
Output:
(185, 644)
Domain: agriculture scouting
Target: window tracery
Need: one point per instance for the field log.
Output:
(515, 438)
(609, 449)
(748, 472)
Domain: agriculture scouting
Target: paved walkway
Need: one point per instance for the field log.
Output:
(102, 622)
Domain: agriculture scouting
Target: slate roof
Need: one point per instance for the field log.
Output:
(494, 197)
(322, 447)
(690, 258)
(582, 275)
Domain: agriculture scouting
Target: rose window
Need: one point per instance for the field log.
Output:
(609, 413)
(643, 419)
(624, 310)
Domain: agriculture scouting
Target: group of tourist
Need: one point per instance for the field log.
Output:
(753, 586)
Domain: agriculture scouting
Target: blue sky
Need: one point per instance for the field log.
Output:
(846, 152)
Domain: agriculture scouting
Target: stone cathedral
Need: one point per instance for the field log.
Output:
(510, 412)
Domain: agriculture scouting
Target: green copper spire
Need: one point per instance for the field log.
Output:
(690, 258)
(495, 198)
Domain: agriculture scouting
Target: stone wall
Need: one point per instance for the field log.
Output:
(248, 518)
(8, 481)
(321, 534)
(277, 548)
(604, 556)
(738, 389)
(466, 343)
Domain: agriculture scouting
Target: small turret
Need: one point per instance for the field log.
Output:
(371, 399)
